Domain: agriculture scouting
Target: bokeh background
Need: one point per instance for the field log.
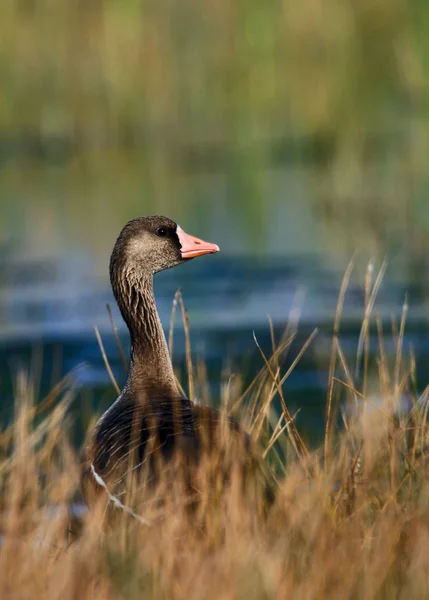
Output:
(293, 134)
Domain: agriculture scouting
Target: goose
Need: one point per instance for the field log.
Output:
(150, 425)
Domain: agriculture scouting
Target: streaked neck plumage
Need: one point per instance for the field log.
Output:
(150, 365)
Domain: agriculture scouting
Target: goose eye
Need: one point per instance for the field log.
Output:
(162, 232)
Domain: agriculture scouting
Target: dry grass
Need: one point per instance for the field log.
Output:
(351, 521)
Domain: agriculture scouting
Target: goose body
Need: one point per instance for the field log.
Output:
(150, 426)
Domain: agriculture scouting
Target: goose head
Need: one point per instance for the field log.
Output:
(151, 244)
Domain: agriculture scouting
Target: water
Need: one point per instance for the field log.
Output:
(48, 310)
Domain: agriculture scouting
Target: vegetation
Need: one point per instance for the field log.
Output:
(110, 109)
(350, 520)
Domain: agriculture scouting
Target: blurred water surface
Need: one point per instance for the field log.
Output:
(48, 310)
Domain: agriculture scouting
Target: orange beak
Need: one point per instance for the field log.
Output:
(192, 246)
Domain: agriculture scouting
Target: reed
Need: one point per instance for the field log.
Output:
(350, 520)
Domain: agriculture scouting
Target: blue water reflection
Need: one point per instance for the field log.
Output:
(48, 310)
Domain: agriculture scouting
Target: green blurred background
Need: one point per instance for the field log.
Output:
(277, 127)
